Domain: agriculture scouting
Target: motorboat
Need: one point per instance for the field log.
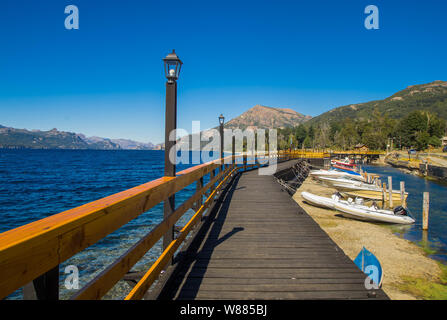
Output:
(356, 209)
(336, 174)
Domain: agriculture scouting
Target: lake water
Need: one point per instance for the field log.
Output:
(436, 237)
(39, 183)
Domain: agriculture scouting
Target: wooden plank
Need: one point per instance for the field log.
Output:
(312, 295)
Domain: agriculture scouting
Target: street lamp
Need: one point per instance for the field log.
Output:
(172, 65)
(221, 127)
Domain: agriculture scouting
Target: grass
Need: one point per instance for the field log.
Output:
(426, 290)
(426, 247)
(328, 223)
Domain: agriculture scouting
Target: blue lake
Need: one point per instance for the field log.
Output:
(436, 237)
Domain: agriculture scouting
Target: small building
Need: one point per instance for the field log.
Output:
(361, 147)
(444, 141)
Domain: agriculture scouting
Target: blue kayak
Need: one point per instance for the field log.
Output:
(370, 265)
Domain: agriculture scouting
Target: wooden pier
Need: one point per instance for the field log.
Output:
(260, 244)
(249, 240)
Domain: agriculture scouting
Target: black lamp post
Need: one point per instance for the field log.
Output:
(172, 66)
(221, 127)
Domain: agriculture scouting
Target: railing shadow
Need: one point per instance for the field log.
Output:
(194, 262)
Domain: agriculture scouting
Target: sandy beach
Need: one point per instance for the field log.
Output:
(405, 265)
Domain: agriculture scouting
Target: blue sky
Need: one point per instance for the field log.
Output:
(106, 79)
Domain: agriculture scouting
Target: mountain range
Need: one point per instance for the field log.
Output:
(11, 138)
(430, 97)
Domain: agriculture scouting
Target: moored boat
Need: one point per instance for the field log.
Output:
(372, 195)
(336, 174)
(345, 165)
(370, 265)
(357, 210)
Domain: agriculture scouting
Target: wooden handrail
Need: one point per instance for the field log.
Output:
(99, 286)
(31, 250)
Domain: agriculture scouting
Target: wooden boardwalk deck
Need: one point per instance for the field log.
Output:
(260, 244)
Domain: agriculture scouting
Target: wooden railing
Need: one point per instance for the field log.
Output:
(356, 152)
(36, 249)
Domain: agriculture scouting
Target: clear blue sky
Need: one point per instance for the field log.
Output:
(106, 79)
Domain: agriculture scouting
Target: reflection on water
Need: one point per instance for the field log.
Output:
(435, 240)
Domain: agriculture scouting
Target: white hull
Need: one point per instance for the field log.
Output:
(357, 211)
(335, 174)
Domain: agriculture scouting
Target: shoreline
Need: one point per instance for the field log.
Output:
(408, 273)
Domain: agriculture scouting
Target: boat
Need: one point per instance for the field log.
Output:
(367, 190)
(371, 195)
(357, 210)
(336, 174)
(370, 265)
(345, 165)
(346, 180)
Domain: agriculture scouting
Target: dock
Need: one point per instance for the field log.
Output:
(260, 244)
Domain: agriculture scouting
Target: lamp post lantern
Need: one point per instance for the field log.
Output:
(172, 65)
(221, 127)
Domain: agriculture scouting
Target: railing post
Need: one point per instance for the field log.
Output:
(199, 187)
(221, 127)
(45, 287)
(212, 175)
(233, 149)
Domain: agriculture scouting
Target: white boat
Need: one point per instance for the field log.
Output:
(335, 174)
(345, 181)
(357, 210)
(363, 187)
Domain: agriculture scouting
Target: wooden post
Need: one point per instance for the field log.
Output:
(425, 209)
(383, 195)
(199, 187)
(390, 190)
(45, 287)
(233, 149)
(402, 194)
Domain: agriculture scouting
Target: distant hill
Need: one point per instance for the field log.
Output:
(267, 117)
(257, 117)
(11, 138)
(430, 97)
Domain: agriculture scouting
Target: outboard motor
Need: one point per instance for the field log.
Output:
(359, 201)
(336, 196)
(400, 211)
